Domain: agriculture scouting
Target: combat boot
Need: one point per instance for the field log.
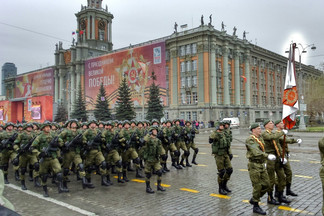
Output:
(181, 163)
(125, 177)
(30, 177)
(221, 189)
(103, 181)
(178, 165)
(89, 184)
(187, 163)
(23, 185)
(289, 191)
(108, 180)
(272, 200)
(17, 178)
(84, 182)
(148, 188)
(194, 160)
(256, 208)
(54, 181)
(65, 188)
(36, 182)
(120, 180)
(139, 174)
(225, 187)
(45, 191)
(60, 183)
(159, 187)
(283, 199)
(165, 168)
(276, 191)
(6, 178)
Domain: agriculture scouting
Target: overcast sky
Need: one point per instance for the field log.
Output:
(272, 24)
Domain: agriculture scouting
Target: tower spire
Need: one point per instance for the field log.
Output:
(95, 4)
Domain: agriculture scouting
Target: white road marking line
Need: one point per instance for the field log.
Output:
(57, 202)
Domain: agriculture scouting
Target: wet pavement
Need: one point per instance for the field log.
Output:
(191, 191)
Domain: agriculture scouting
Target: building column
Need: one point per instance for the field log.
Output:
(225, 76)
(248, 80)
(109, 38)
(56, 86)
(73, 88)
(259, 87)
(61, 75)
(268, 102)
(200, 77)
(213, 81)
(93, 28)
(88, 27)
(237, 78)
(174, 78)
(78, 78)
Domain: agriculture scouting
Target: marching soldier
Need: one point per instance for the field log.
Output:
(257, 157)
(272, 146)
(220, 147)
(24, 140)
(8, 150)
(179, 142)
(190, 134)
(228, 134)
(72, 140)
(321, 173)
(45, 146)
(151, 155)
(287, 169)
(92, 140)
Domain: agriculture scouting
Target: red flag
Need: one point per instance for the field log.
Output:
(244, 78)
(81, 32)
(290, 96)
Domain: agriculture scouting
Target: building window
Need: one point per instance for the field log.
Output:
(194, 65)
(188, 81)
(188, 96)
(183, 98)
(183, 82)
(101, 35)
(194, 48)
(194, 81)
(188, 50)
(183, 66)
(194, 116)
(194, 97)
(182, 51)
(182, 115)
(188, 65)
(188, 116)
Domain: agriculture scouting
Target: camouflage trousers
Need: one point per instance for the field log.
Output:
(275, 168)
(224, 167)
(72, 156)
(27, 158)
(112, 157)
(260, 180)
(5, 157)
(47, 165)
(322, 179)
(94, 157)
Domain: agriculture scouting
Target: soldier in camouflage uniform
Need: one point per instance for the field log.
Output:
(179, 140)
(92, 140)
(26, 157)
(190, 133)
(168, 145)
(287, 169)
(9, 150)
(220, 147)
(151, 155)
(321, 173)
(228, 134)
(72, 140)
(45, 146)
(112, 156)
(272, 146)
(257, 157)
(127, 140)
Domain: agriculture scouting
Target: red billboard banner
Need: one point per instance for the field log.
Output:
(136, 64)
(35, 84)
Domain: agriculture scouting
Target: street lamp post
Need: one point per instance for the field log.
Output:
(302, 125)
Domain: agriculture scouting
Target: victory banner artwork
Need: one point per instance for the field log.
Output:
(136, 64)
(36, 83)
(36, 112)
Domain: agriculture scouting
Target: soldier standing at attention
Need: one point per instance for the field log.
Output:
(228, 134)
(220, 147)
(151, 155)
(257, 157)
(274, 168)
(321, 148)
(287, 169)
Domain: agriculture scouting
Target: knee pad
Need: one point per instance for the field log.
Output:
(229, 171)
(148, 175)
(176, 153)
(164, 157)
(59, 176)
(221, 173)
(103, 165)
(23, 170)
(136, 160)
(66, 171)
(196, 150)
(31, 166)
(159, 172)
(36, 166)
(119, 164)
(60, 159)
(81, 167)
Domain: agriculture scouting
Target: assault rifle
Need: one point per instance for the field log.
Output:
(97, 140)
(130, 141)
(46, 151)
(190, 136)
(74, 142)
(8, 143)
(23, 149)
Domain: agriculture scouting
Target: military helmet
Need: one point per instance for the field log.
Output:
(153, 127)
(92, 121)
(75, 121)
(20, 125)
(168, 120)
(139, 122)
(46, 123)
(228, 122)
(28, 125)
(9, 124)
(133, 121)
(155, 120)
(36, 124)
(188, 122)
(126, 122)
(110, 123)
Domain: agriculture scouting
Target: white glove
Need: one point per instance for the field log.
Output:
(288, 155)
(284, 161)
(285, 131)
(299, 141)
(271, 157)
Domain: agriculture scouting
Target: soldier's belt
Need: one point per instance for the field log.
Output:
(256, 161)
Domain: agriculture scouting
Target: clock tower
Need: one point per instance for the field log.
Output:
(94, 26)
